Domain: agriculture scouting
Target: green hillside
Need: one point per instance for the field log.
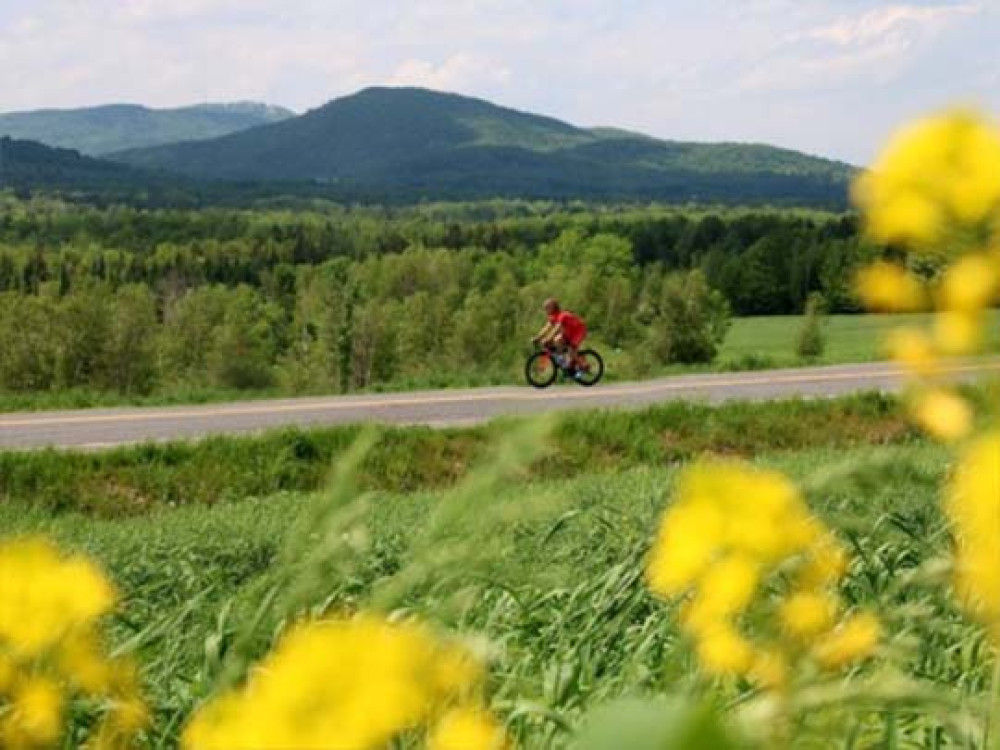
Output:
(99, 130)
(28, 164)
(427, 143)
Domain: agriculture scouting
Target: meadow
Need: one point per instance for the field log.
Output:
(770, 340)
(530, 538)
(546, 574)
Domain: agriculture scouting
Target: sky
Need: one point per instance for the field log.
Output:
(831, 77)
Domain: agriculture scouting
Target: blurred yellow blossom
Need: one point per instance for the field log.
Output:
(44, 596)
(34, 717)
(942, 413)
(853, 640)
(723, 651)
(826, 564)
(726, 588)
(914, 350)
(688, 539)
(730, 526)
(805, 614)
(50, 604)
(973, 504)
(339, 683)
(769, 668)
(942, 169)
(971, 283)
(958, 332)
(890, 288)
(467, 729)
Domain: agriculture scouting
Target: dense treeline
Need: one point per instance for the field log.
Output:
(338, 299)
(762, 262)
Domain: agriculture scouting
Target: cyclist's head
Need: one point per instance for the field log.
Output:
(552, 306)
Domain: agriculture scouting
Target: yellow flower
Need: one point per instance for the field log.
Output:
(44, 596)
(79, 657)
(688, 539)
(890, 288)
(35, 716)
(467, 729)
(726, 589)
(342, 683)
(903, 217)
(769, 669)
(958, 332)
(825, 564)
(913, 349)
(730, 525)
(971, 283)
(943, 414)
(941, 169)
(8, 672)
(120, 725)
(722, 651)
(973, 504)
(853, 640)
(806, 614)
(771, 522)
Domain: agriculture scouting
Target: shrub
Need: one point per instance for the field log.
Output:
(810, 343)
(691, 320)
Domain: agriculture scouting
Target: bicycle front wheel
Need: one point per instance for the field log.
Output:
(541, 370)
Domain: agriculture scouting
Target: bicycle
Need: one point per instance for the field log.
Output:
(545, 365)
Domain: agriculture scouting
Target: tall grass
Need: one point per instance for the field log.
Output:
(553, 581)
(134, 480)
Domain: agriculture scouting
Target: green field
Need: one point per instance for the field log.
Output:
(217, 546)
(550, 575)
(770, 340)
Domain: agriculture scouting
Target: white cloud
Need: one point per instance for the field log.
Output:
(875, 25)
(462, 71)
(871, 47)
(796, 72)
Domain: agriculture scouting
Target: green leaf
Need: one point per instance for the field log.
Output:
(657, 724)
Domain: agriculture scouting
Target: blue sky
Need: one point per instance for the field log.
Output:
(832, 77)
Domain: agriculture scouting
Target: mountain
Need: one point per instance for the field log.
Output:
(423, 143)
(29, 164)
(100, 130)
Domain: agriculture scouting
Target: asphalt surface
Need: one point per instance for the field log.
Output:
(101, 428)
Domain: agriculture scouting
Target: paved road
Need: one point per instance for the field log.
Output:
(98, 428)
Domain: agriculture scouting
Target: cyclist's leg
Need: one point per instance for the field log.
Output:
(574, 352)
(561, 345)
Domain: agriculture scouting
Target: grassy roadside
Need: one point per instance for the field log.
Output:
(554, 583)
(136, 479)
(752, 344)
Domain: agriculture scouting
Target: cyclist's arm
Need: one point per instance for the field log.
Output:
(546, 334)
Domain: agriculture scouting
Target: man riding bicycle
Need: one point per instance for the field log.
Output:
(564, 330)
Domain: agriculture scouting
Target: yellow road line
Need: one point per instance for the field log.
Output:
(526, 396)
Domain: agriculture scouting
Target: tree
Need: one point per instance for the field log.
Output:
(691, 322)
(810, 342)
(128, 359)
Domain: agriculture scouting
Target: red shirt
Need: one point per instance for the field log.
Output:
(573, 327)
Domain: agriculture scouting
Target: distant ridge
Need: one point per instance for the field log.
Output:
(100, 130)
(432, 144)
(29, 164)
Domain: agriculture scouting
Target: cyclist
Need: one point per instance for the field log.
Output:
(564, 330)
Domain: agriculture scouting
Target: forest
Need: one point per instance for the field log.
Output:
(333, 298)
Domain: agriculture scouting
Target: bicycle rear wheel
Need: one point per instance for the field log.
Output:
(541, 370)
(593, 369)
